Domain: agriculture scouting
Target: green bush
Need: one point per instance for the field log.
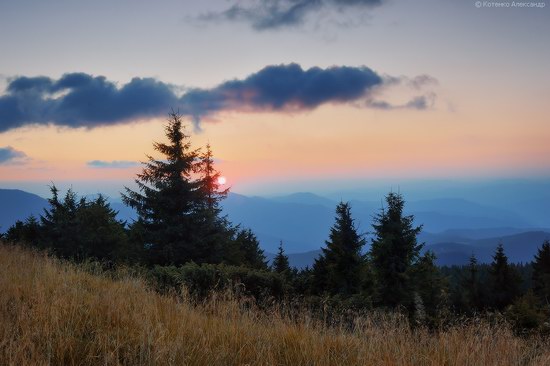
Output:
(201, 280)
(526, 315)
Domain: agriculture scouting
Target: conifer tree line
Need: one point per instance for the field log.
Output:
(179, 218)
(181, 235)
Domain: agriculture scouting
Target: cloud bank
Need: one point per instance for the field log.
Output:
(8, 155)
(83, 100)
(282, 88)
(274, 14)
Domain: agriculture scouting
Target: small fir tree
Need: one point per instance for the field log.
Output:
(244, 250)
(102, 235)
(541, 273)
(280, 262)
(471, 287)
(430, 285)
(59, 221)
(504, 280)
(28, 232)
(340, 269)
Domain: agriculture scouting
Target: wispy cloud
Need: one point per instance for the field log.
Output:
(114, 164)
(421, 85)
(275, 14)
(83, 100)
(8, 155)
(419, 102)
(421, 81)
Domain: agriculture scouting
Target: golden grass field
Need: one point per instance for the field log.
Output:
(55, 313)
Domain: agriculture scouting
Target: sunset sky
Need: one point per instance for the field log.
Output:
(304, 91)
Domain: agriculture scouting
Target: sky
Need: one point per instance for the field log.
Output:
(312, 95)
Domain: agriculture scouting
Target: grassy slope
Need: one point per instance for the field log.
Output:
(56, 313)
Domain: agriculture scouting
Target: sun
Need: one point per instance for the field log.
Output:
(222, 180)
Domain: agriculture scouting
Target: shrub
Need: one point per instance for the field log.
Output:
(201, 280)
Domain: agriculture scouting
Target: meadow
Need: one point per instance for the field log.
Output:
(54, 312)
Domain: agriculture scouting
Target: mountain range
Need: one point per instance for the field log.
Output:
(453, 228)
(18, 205)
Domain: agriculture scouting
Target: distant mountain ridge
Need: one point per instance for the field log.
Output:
(452, 228)
(305, 198)
(520, 248)
(302, 220)
(18, 205)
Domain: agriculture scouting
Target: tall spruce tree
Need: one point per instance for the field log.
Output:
(541, 273)
(280, 262)
(215, 230)
(504, 280)
(340, 268)
(393, 253)
(209, 182)
(167, 199)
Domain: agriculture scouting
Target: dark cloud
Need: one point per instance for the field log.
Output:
(82, 100)
(115, 164)
(23, 83)
(8, 155)
(272, 14)
(283, 88)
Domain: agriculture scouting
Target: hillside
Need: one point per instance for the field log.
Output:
(52, 312)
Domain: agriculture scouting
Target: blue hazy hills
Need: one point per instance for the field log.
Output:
(454, 228)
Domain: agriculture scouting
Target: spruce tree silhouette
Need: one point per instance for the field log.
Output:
(340, 267)
(393, 253)
(280, 262)
(167, 199)
(541, 273)
(504, 280)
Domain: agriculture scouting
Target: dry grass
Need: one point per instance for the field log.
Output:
(55, 313)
